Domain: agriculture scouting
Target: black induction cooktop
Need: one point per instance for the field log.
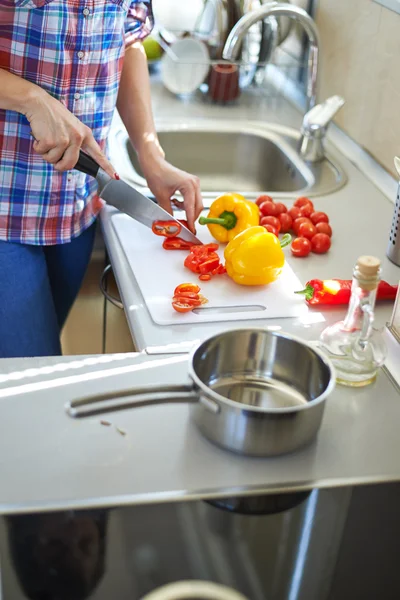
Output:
(332, 544)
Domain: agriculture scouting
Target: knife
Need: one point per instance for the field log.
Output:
(125, 198)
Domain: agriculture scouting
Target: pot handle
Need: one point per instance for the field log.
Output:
(99, 404)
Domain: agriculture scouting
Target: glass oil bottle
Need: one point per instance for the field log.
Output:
(356, 349)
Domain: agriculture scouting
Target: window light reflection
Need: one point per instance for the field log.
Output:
(25, 388)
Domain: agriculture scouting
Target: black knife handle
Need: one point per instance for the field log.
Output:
(87, 164)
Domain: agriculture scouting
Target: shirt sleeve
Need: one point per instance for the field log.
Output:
(139, 22)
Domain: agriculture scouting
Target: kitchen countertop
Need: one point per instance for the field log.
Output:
(50, 461)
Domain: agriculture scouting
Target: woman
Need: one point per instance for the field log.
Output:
(64, 66)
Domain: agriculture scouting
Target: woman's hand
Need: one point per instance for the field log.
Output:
(59, 135)
(164, 180)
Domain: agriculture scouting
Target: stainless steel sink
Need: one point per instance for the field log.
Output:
(249, 158)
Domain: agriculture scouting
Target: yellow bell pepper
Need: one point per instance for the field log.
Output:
(229, 215)
(255, 256)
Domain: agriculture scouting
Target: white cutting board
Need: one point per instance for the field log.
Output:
(158, 272)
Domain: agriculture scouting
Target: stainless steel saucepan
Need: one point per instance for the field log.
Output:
(255, 392)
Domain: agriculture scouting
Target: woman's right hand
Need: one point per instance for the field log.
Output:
(59, 135)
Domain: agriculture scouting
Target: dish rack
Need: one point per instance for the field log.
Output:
(263, 82)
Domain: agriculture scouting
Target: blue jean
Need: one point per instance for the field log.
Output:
(38, 286)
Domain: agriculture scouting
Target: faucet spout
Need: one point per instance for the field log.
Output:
(275, 9)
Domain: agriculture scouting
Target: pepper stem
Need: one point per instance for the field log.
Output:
(285, 241)
(226, 219)
(308, 292)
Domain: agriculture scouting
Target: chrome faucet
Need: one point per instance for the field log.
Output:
(317, 117)
(314, 128)
(274, 9)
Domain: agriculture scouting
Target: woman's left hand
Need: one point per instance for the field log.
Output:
(164, 180)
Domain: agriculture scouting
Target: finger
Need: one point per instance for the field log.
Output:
(177, 203)
(165, 203)
(189, 199)
(54, 155)
(91, 147)
(69, 159)
(43, 146)
(199, 206)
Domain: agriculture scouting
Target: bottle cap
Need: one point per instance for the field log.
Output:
(368, 265)
(368, 272)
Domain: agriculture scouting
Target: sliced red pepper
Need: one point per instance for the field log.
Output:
(204, 248)
(205, 277)
(208, 266)
(191, 263)
(221, 270)
(166, 228)
(176, 243)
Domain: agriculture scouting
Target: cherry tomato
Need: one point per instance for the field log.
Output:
(286, 222)
(323, 227)
(294, 212)
(319, 217)
(271, 229)
(268, 209)
(306, 210)
(181, 306)
(298, 222)
(301, 246)
(186, 287)
(274, 221)
(306, 230)
(302, 201)
(321, 243)
(281, 208)
(264, 198)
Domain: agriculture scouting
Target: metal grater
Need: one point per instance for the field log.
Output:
(393, 251)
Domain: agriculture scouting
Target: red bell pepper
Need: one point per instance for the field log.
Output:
(320, 292)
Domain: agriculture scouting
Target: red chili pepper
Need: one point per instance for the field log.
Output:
(166, 228)
(338, 291)
(176, 243)
(205, 277)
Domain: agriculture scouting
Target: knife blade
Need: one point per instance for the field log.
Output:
(126, 199)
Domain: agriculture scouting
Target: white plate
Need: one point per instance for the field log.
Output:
(185, 66)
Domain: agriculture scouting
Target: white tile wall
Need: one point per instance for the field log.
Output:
(361, 61)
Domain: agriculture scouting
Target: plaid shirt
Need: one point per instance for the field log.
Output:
(74, 50)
